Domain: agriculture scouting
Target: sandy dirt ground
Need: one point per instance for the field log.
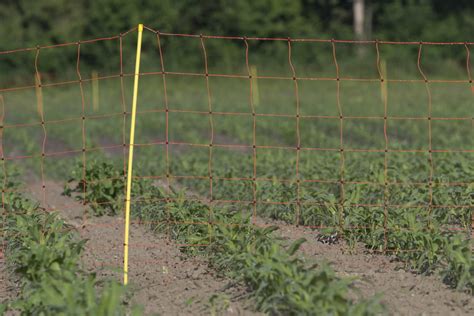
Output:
(7, 288)
(168, 283)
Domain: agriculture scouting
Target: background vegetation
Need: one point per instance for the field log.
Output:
(27, 23)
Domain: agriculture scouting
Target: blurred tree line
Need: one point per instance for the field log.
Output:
(27, 23)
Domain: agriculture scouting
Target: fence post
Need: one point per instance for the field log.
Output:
(95, 90)
(255, 92)
(130, 155)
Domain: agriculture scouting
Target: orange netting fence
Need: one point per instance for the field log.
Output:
(290, 146)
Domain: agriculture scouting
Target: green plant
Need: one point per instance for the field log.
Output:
(44, 252)
(279, 281)
(459, 271)
(100, 185)
(75, 296)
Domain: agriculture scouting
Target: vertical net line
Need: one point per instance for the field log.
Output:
(468, 68)
(83, 131)
(41, 114)
(468, 63)
(167, 159)
(2, 155)
(430, 145)
(470, 229)
(385, 158)
(341, 138)
(124, 117)
(254, 134)
(211, 126)
(298, 135)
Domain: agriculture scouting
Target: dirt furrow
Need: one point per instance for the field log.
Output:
(161, 278)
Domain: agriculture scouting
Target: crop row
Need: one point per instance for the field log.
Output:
(44, 252)
(277, 279)
(425, 239)
(397, 218)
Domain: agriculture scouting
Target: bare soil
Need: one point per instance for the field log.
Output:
(403, 293)
(7, 287)
(166, 282)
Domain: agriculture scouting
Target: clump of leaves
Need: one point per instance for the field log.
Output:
(279, 281)
(101, 186)
(45, 255)
(459, 271)
(418, 240)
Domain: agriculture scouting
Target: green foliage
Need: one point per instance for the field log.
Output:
(77, 296)
(418, 236)
(28, 24)
(422, 244)
(44, 252)
(43, 247)
(459, 271)
(280, 282)
(100, 185)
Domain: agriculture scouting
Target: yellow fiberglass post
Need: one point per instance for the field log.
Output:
(130, 155)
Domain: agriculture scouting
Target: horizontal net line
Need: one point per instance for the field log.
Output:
(260, 179)
(63, 83)
(224, 113)
(88, 41)
(90, 149)
(302, 116)
(286, 39)
(62, 153)
(237, 76)
(303, 180)
(305, 148)
(67, 120)
(247, 77)
(242, 38)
